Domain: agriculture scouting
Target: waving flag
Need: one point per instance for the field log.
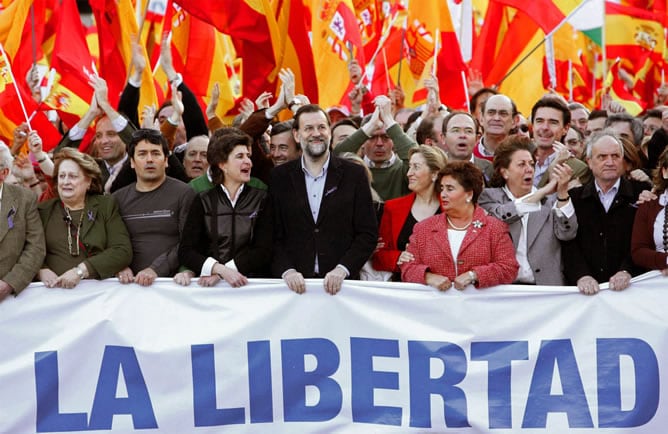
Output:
(293, 23)
(619, 91)
(254, 30)
(71, 67)
(116, 25)
(204, 56)
(336, 41)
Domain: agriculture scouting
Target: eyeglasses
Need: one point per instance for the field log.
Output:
(153, 136)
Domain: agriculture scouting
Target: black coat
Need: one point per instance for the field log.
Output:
(602, 246)
(346, 232)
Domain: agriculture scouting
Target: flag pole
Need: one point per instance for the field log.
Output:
(570, 80)
(436, 40)
(604, 62)
(401, 56)
(552, 32)
(381, 43)
(387, 71)
(466, 91)
(16, 87)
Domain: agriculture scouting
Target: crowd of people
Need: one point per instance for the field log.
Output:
(374, 191)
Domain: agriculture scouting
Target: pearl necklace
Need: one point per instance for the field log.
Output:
(456, 227)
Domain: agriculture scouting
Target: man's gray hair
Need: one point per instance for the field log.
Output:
(6, 159)
(598, 135)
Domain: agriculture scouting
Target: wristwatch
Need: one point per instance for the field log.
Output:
(79, 272)
(473, 276)
(293, 102)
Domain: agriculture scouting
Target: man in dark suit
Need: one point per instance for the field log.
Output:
(605, 209)
(22, 247)
(325, 224)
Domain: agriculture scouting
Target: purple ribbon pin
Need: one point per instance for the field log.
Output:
(10, 218)
(91, 217)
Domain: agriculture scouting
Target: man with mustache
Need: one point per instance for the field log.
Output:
(324, 221)
(154, 210)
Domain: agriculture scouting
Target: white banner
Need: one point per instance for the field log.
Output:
(376, 358)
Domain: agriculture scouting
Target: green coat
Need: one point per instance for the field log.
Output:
(103, 234)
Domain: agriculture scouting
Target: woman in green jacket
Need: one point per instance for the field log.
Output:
(85, 234)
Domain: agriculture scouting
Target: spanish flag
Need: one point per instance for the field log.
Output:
(546, 14)
(633, 35)
(336, 41)
(293, 24)
(254, 30)
(205, 56)
(71, 66)
(116, 25)
(619, 91)
(431, 37)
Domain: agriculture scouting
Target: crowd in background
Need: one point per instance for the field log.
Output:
(376, 191)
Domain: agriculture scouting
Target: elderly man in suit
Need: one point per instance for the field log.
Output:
(22, 247)
(605, 209)
(324, 220)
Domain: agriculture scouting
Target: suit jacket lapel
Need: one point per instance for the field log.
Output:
(536, 223)
(299, 184)
(441, 238)
(332, 180)
(473, 231)
(90, 215)
(8, 202)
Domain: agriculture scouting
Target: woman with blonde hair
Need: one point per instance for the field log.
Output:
(84, 231)
(401, 214)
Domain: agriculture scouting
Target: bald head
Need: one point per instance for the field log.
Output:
(499, 115)
(194, 159)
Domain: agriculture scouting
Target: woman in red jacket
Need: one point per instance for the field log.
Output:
(463, 245)
(649, 239)
(402, 213)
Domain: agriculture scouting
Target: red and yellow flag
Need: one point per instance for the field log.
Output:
(294, 23)
(116, 25)
(71, 66)
(620, 92)
(633, 35)
(17, 38)
(204, 56)
(254, 30)
(336, 41)
(430, 37)
(546, 14)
